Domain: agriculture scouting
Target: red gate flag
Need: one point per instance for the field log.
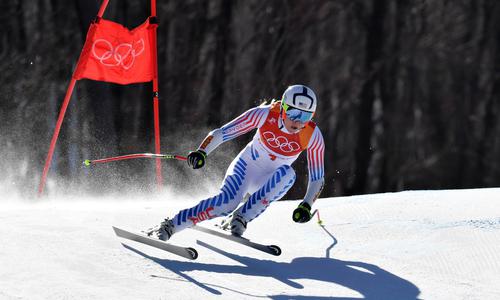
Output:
(113, 53)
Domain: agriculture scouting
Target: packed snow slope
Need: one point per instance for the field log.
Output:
(407, 245)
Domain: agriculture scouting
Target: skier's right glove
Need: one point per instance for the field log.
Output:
(302, 213)
(196, 159)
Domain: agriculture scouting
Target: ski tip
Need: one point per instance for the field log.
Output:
(116, 230)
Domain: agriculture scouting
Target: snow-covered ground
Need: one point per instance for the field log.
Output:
(408, 245)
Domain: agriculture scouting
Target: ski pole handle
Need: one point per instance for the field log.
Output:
(89, 162)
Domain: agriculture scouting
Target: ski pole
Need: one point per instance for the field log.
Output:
(89, 162)
(316, 212)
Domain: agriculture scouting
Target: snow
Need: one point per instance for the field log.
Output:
(406, 245)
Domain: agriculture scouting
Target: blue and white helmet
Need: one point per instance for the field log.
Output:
(301, 97)
(298, 103)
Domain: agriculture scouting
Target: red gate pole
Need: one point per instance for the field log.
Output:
(159, 177)
(60, 119)
(104, 4)
(53, 142)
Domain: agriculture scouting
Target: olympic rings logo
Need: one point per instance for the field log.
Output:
(280, 142)
(122, 55)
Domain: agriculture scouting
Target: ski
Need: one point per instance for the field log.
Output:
(186, 252)
(270, 249)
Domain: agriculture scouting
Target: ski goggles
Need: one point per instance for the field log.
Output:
(297, 115)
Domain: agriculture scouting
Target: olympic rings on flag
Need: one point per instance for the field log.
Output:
(123, 54)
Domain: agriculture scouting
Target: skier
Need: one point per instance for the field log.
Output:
(263, 168)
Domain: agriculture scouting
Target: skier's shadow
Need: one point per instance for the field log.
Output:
(369, 280)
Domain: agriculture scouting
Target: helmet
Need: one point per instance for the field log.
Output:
(298, 103)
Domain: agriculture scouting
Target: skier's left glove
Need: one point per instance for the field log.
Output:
(196, 159)
(302, 213)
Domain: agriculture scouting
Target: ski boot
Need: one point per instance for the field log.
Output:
(235, 223)
(163, 231)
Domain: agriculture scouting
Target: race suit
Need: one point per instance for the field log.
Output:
(262, 169)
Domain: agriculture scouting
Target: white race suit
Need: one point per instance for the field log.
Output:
(262, 169)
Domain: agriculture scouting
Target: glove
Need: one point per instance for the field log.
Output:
(196, 159)
(302, 213)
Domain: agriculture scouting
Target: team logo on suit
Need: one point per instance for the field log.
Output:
(280, 142)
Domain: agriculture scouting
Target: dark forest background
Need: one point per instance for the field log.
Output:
(408, 90)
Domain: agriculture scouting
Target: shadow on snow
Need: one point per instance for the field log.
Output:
(367, 279)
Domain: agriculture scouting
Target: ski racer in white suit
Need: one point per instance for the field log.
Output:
(263, 168)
